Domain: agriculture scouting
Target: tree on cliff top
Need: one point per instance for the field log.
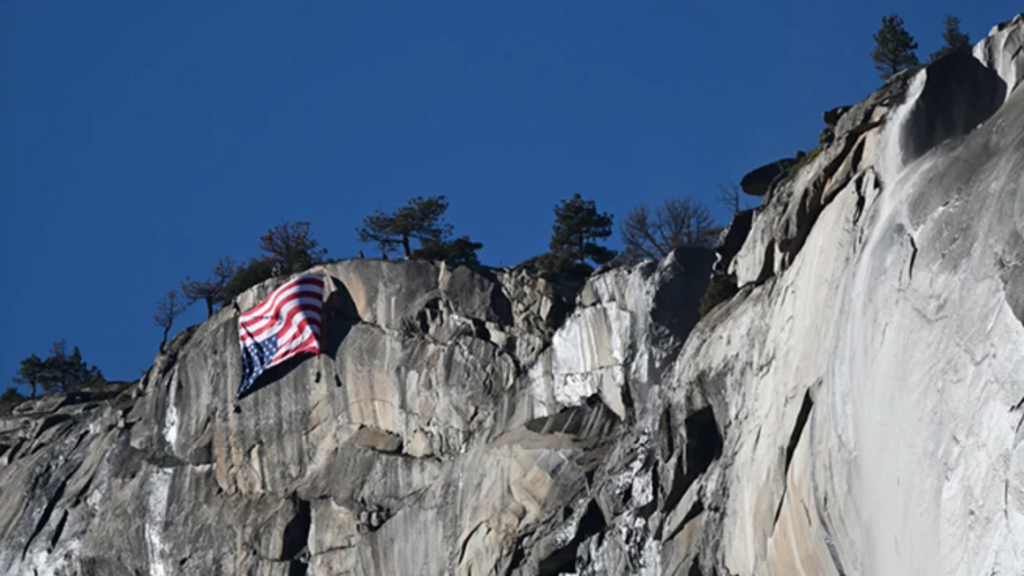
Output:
(894, 47)
(63, 371)
(31, 373)
(455, 252)
(291, 247)
(956, 41)
(577, 226)
(209, 290)
(166, 311)
(421, 219)
(674, 224)
(59, 372)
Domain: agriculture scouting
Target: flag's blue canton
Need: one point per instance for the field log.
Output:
(255, 359)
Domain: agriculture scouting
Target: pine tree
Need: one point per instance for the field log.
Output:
(894, 47)
(31, 373)
(63, 371)
(956, 41)
(421, 219)
(455, 252)
(577, 225)
(166, 311)
(209, 290)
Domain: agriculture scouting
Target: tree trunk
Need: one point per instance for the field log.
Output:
(209, 307)
(405, 246)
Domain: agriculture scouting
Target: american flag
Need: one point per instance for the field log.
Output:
(285, 323)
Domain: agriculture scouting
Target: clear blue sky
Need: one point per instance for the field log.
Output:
(141, 141)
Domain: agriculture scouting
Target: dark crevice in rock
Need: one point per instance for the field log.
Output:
(666, 433)
(628, 403)
(696, 510)
(794, 439)
(731, 241)
(767, 265)
(858, 154)
(564, 559)
(296, 533)
(1018, 405)
(47, 512)
(703, 445)
(801, 421)
(78, 441)
(913, 257)
(14, 451)
(678, 487)
(480, 329)
(695, 569)
(55, 537)
(50, 422)
(518, 555)
(296, 568)
(646, 510)
(861, 199)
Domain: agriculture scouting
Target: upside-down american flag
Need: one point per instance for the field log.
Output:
(285, 323)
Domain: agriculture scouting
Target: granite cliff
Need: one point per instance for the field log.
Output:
(856, 408)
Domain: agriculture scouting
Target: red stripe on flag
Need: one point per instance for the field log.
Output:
(309, 311)
(291, 313)
(302, 284)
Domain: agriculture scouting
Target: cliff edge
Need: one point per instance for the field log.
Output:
(856, 408)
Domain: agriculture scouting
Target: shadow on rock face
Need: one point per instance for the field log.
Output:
(275, 373)
(339, 315)
(339, 303)
(959, 94)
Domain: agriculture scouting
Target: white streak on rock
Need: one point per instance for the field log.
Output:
(158, 490)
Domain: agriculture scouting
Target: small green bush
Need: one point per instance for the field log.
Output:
(720, 289)
(551, 265)
(804, 162)
(248, 275)
(9, 399)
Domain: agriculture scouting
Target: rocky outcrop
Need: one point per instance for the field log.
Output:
(855, 409)
(831, 116)
(758, 182)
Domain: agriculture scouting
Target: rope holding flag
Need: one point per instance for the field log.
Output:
(285, 324)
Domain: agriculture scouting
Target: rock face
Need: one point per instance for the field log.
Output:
(855, 409)
(759, 181)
